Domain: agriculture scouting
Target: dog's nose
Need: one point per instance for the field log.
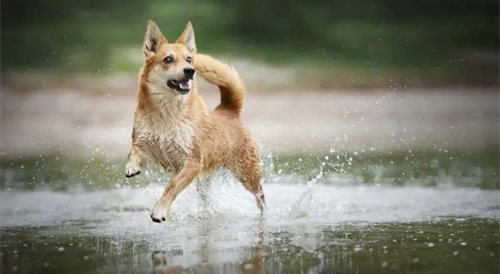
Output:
(189, 72)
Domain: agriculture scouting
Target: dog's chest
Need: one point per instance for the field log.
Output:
(169, 143)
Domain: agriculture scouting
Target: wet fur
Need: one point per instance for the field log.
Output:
(178, 131)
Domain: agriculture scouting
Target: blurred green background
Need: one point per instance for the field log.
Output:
(438, 42)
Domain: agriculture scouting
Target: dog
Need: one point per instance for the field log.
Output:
(173, 127)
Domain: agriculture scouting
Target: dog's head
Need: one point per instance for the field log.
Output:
(169, 65)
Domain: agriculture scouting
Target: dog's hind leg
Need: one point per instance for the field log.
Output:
(253, 184)
(249, 172)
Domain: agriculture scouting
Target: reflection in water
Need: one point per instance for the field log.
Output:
(254, 264)
(160, 266)
(460, 246)
(207, 262)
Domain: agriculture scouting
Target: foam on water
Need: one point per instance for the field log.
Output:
(288, 204)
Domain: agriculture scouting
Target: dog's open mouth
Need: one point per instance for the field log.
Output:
(181, 86)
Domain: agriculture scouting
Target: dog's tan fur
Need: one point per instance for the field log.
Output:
(178, 131)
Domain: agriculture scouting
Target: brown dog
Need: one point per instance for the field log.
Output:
(173, 127)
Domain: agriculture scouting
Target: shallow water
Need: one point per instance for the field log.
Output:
(330, 224)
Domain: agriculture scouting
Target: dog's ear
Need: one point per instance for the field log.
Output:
(187, 38)
(153, 39)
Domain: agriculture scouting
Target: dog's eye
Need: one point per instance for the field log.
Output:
(168, 59)
(189, 59)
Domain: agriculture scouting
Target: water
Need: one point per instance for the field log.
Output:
(64, 216)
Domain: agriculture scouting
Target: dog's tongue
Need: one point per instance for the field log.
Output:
(184, 84)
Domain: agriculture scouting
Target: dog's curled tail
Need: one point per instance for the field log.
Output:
(232, 90)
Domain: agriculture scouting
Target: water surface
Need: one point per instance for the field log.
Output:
(324, 216)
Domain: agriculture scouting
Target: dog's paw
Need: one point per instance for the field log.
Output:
(159, 214)
(132, 169)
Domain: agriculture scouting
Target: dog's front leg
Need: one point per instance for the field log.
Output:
(136, 161)
(181, 181)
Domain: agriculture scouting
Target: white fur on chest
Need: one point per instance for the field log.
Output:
(176, 138)
(168, 143)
